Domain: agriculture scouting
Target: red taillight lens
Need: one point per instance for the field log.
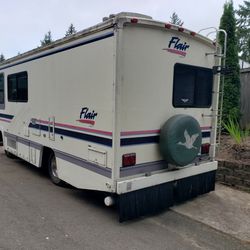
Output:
(168, 26)
(129, 160)
(181, 29)
(134, 20)
(205, 148)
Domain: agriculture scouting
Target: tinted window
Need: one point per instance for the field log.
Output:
(18, 87)
(1, 89)
(192, 86)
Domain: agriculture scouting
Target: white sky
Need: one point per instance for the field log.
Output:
(24, 22)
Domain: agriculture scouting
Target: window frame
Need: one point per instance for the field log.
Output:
(2, 105)
(17, 76)
(196, 69)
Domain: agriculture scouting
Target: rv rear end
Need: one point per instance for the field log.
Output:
(165, 120)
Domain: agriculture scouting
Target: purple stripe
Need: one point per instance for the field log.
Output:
(143, 168)
(83, 163)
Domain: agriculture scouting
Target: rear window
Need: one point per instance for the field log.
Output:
(192, 86)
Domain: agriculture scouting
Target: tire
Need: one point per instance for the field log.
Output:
(180, 140)
(52, 170)
(10, 155)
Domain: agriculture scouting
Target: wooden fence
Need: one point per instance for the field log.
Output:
(245, 97)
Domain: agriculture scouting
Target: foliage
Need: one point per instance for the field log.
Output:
(233, 128)
(239, 136)
(47, 39)
(231, 102)
(174, 19)
(71, 30)
(2, 58)
(243, 30)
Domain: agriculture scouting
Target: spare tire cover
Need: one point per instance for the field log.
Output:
(180, 140)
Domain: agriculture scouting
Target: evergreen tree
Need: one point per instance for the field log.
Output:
(231, 102)
(174, 19)
(2, 58)
(71, 30)
(243, 30)
(47, 39)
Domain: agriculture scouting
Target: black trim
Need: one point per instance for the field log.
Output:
(6, 116)
(139, 140)
(91, 40)
(77, 135)
(206, 134)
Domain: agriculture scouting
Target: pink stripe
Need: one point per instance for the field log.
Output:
(3, 120)
(91, 122)
(143, 132)
(155, 131)
(182, 53)
(206, 128)
(96, 131)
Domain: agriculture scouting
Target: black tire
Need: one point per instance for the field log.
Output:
(52, 170)
(10, 155)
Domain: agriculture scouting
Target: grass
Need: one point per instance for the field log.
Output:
(236, 133)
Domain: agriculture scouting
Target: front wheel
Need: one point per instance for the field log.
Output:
(53, 171)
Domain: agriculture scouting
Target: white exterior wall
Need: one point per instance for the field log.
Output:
(147, 85)
(59, 86)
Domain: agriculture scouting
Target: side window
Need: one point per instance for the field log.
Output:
(1, 91)
(192, 86)
(18, 87)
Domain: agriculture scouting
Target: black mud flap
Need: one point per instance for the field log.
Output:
(190, 187)
(147, 201)
(152, 200)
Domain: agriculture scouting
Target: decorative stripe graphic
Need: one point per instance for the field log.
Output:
(83, 163)
(65, 156)
(55, 51)
(6, 117)
(143, 168)
(153, 136)
(74, 134)
(178, 52)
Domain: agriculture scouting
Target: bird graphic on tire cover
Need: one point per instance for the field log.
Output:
(190, 140)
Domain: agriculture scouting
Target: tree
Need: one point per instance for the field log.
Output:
(47, 39)
(231, 102)
(2, 58)
(174, 19)
(71, 30)
(243, 30)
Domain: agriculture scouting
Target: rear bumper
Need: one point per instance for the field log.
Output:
(137, 183)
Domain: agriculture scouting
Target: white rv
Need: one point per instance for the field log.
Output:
(127, 107)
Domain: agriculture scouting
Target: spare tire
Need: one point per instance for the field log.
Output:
(180, 140)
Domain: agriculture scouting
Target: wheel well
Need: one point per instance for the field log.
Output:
(46, 152)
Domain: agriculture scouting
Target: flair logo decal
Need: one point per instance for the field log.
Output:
(87, 116)
(176, 46)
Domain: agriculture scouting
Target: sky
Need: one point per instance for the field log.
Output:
(25, 22)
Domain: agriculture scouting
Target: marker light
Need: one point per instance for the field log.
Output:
(129, 159)
(168, 26)
(205, 148)
(134, 20)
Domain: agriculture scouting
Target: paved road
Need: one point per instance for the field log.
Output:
(35, 214)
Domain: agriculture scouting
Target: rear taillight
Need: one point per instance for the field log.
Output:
(205, 148)
(129, 160)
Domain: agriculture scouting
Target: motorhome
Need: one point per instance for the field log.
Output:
(126, 107)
